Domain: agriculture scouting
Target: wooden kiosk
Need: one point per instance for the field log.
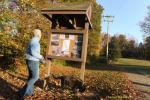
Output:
(68, 37)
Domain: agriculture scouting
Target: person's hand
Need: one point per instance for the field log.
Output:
(43, 60)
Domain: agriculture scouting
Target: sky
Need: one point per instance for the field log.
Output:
(127, 15)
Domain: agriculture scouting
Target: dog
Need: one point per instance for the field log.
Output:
(73, 82)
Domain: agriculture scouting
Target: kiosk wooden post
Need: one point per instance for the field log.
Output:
(84, 50)
(48, 61)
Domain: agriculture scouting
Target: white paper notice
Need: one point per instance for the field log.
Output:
(62, 36)
(65, 47)
(71, 37)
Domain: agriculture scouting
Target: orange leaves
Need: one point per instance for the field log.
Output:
(105, 83)
(101, 84)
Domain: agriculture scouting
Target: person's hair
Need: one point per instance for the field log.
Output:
(37, 32)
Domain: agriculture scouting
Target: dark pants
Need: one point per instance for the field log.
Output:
(33, 69)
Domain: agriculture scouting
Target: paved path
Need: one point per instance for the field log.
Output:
(142, 83)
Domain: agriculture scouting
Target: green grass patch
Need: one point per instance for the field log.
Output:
(134, 65)
(125, 61)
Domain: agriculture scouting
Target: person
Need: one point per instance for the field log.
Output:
(33, 59)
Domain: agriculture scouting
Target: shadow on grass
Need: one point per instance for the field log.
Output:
(144, 70)
(103, 68)
(136, 69)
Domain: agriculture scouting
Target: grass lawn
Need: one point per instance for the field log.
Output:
(134, 65)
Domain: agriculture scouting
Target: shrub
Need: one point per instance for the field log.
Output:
(10, 49)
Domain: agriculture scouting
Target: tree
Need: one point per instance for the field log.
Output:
(141, 51)
(147, 42)
(147, 47)
(26, 18)
(95, 38)
(122, 41)
(145, 25)
(114, 49)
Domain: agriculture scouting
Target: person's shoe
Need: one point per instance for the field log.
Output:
(18, 93)
(19, 96)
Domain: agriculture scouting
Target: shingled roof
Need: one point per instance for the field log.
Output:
(69, 6)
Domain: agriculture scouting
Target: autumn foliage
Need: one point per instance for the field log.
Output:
(12, 48)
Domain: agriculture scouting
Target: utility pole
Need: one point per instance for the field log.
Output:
(108, 19)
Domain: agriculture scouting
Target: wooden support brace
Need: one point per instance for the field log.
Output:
(48, 62)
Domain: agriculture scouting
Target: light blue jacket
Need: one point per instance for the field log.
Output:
(33, 50)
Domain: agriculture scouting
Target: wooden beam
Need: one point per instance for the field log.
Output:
(73, 12)
(48, 17)
(69, 21)
(67, 31)
(89, 15)
(64, 58)
(74, 23)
